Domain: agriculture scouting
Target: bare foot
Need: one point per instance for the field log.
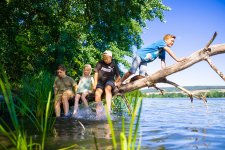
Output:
(74, 113)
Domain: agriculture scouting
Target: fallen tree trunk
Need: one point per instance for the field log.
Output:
(160, 76)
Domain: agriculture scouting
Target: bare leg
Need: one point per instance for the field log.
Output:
(65, 104)
(108, 96)
(84, 100)
(57, 107)
(77, 97)
(126, 75)
(107, 129)
(65, 100)
(98, 94)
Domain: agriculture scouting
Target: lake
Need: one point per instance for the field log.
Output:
(165, 124)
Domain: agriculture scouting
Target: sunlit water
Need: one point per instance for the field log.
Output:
(165, 124)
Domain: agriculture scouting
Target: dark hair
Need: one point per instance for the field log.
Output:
(61, 67)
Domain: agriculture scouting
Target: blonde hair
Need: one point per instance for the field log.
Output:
(168, 36)
(87, 66)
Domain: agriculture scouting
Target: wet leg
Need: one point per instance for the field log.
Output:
(76, 103)
(84, 100)
(98, 94)
(65, 100)
(57, 104)
(108, 97)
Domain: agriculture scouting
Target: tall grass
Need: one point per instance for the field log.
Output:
(128, 142)
(46, 121)
(119, 104)
(34, 91)
(17, 135)
(33, 98)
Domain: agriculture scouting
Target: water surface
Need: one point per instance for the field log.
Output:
(165, 124)
(179, 124)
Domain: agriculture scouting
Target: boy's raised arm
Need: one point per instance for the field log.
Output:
(170, 52)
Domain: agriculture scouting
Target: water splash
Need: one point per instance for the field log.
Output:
(90, 113)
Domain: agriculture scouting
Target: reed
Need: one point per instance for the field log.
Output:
(33, 99)
(119, 104)
(34, 92)
(46, 121)
(128, 142)
(17, 135)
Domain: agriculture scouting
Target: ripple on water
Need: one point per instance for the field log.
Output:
(164, 124)
(182, 125)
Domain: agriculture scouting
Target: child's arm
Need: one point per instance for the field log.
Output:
(118, 79)
(75, 88)
(55, 90)
(55, 87)
(95, 80)
(92, 83)
(170, 52)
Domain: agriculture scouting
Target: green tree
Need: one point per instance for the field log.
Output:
(40, 35)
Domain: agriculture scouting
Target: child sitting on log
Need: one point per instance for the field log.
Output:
(84, 87)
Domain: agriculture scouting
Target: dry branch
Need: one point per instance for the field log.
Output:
(190, 94)
(178, 87)
(161, 90)
(215, 68)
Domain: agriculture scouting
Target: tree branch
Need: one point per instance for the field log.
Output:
(190, 94)
(211, 40)
(178, 87)
(161, 90)
(215, 69)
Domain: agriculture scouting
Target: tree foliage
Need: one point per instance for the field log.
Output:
(40, 35)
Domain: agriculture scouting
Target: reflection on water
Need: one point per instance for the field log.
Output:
(164, 124)
(82, 129)
(69, 131)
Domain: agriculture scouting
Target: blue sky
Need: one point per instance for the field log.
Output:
(193, 22)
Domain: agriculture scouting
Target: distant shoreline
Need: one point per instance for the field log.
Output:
(208, 91)
(190, 88)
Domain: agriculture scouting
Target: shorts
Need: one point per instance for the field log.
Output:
(102, 85)
(58, 96)
(137, 63)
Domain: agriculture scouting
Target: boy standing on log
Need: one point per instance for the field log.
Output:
(149, 54)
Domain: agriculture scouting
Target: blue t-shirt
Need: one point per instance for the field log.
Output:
(152, 51)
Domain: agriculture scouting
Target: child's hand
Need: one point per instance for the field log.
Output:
(117, 84)
(94, 87)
